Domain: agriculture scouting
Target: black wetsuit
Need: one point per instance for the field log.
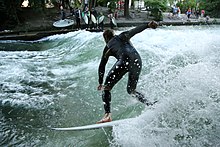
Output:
(77, 16)
(63, 14)
(128, 60)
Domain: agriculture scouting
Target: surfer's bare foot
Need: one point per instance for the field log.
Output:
(151, 103)
(107, 118)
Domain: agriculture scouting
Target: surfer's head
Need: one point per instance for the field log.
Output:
(108, 35)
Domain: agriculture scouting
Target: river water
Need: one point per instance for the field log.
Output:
(52, 83)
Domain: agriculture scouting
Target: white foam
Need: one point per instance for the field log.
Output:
(188, 93)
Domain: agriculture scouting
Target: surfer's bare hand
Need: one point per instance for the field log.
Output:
(100, 87)
(153, 24)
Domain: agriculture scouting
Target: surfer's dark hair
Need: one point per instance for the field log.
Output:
(108, 35)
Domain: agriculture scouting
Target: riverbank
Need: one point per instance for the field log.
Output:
(41, 26)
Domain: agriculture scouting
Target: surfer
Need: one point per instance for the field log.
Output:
(111, 20)
(78, 18)
(87, 15)
(128, 61)
(95, 14)
(62, 12)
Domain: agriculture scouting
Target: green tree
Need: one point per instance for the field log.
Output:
(11, 11)
(186, 4)
(102, 2)
(37, 4)
(112, 6)
(211, 7)
(156, 7)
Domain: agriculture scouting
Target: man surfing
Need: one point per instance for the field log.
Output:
(128, 61)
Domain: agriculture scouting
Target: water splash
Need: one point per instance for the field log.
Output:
(55, 85)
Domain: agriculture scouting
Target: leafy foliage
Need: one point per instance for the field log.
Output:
(211, 7)
(9, 11)
(2, 9)
(102, 2)
(156, 7)
(185, 5)
(112, 6)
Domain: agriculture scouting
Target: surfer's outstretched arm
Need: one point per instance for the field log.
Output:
(129, 34)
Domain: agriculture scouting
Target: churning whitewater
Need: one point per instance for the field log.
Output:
(52, 83)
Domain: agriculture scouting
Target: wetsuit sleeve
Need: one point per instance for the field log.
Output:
(104, 60)
(128, 34)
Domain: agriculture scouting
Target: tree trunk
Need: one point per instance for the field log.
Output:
(13, 12)
(126, 9)
(92, 4)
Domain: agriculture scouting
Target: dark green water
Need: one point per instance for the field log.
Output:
(52, 83)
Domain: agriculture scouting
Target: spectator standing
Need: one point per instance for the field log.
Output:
(110, 18)
(188, 13)
(62, 12)
(86, 4)
(202, 13)
(179, 12)
(95, 14)
(78, 18)
(87, 13)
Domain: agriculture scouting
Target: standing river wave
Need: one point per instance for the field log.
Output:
(52, 83)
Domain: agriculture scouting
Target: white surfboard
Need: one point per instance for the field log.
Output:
(114, 21)
(101, 18)
(94, 126)
(93, 18)
(63, 23)
(85, 18)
